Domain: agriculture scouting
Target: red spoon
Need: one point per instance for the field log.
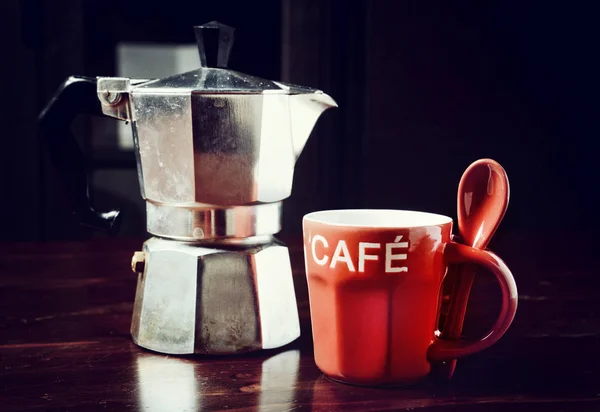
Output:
(483, 194)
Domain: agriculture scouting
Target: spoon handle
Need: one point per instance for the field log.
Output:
(461, 281)
(458, 302)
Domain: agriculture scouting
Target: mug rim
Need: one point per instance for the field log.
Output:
(380, 218)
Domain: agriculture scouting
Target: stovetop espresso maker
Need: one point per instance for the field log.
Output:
(215, 153)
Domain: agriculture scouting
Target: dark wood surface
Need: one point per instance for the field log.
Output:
(65, 346)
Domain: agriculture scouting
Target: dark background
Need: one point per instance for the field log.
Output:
(424, 89)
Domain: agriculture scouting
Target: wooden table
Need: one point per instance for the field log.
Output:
(64, 341)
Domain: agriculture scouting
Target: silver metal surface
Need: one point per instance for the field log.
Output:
(219, 149)
(138, 261)
(208, 80)
(212, 222)
(194, 299)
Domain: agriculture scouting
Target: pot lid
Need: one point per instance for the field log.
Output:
(214, 41)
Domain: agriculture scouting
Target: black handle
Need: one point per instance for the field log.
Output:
(214, 41)
(77, 95)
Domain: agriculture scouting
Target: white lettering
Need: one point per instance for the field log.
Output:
(362, 256)
(325, 258)
(341, 254)
(389, 255)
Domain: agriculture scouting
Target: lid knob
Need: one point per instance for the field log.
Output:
(214, 43)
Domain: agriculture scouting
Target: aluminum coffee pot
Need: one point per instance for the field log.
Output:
(215, 151)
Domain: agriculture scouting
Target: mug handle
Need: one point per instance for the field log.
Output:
(443, 350)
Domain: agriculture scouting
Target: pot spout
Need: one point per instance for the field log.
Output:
(306, 107)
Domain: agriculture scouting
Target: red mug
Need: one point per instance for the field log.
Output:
(375, 282)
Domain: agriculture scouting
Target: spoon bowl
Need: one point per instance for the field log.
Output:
(483, 196)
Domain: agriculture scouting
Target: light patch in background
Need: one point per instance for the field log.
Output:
(142, 61)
